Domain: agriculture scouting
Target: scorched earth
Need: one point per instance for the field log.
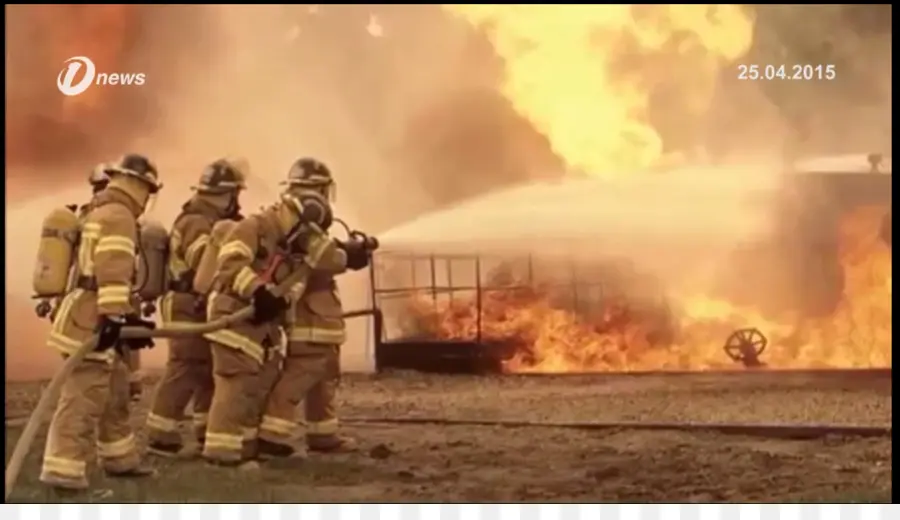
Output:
(441, 461)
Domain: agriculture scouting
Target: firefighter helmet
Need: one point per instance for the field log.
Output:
(223, 176)
(98, 178)
(309, 172)
(138, 166)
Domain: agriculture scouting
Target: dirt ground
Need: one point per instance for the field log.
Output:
(458, 463)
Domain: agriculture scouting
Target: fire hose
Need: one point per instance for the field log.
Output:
(51, 393)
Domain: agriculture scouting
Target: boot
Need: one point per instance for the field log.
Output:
(333, 443)
(162, 449)
(142, 470)
(245, 462)
(198, 448)
(65, 484)
(225, 463)
(275, 450)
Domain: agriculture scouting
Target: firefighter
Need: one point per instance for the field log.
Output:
(94, 399)
(288, 239)
(189, 367)
(315, 330)
(98, 181)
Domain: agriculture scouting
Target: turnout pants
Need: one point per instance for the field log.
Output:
(310, 371)
(320, 408)
(232, 414)
(135, 376)
(94, 400)
(271, 369)
(188, 375)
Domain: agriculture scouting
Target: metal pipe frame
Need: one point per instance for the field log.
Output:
(433, 289)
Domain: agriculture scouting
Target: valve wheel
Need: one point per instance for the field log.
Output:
(746, 345)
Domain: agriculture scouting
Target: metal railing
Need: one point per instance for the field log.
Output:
(578, 284)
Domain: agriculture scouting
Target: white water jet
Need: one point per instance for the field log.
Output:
(663, 222)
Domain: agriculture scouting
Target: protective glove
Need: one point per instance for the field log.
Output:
(134, 320)
(109, 328)
(148, 309)
(266, 306)
(357, 254)
(200, 305)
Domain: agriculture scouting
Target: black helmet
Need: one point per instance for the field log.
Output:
(138, 166)
(98, 179)
(223, 176)
(309, 172)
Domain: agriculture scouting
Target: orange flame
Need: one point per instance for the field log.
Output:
(41, 123)
(584, 75)
(96, 31)
(617, 336)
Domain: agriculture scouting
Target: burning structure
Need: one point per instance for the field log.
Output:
(826, 266)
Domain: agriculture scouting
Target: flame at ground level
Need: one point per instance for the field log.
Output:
(689, 332)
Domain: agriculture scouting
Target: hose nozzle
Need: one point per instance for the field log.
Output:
(369, 242)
